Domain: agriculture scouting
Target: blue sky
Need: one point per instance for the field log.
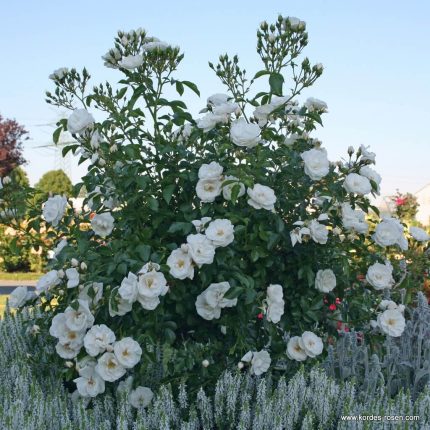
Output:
(375, 53)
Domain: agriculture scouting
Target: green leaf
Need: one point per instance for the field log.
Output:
(56, 135)
(153, 204)
(315, 116)
(144, 252)
(276, 81)
(260, 73)
(179, 88)
(192, 87)
(232, 293)
(168, 192)
(183, 227)
(121, 93)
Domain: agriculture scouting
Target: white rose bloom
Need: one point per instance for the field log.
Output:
(390, 232)
(181, 264)
(227, 189)
(97, 339)
(392, 322)
(102, 224)
(261, 197)
(18, 297)
(156, 45)
(80, 319)
(54, 208)
(209, 121)
(66, 351)
(97, 288)
(389, 304)
(316, 163)
(47, 281)
(419, 234)
(60, 246)
(89, 383)
(380, 276)
(318, 232)
(275, 303)
(262, 113)
(199, 224)
(72, 277)
(260, 362)
(225, 109)
(123, 307)
(210, 302)
(59, 74)
(152, 284)
(367, 155)
(201, 249)
(313, 104)
(325, 280)
(141, 397)
(220, 232)
(128, 352)
(79, 121)
(208, 190)
(109, 368)
(311, 344)
(354, 219)
(217, 99)
(213, 170)
(294, 350)
(130, 62)
(372, 175)
(245, 134)
(95, 141)
(128, 289)
(355, 183)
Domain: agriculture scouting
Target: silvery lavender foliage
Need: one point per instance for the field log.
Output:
(403, 363)
(32, 400)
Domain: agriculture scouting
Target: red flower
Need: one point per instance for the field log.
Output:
(260, 316)
(338, 301)
(400, 201)
(332, 307)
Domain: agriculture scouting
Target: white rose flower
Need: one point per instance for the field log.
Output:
(59, 74)
(123, 307)
(47, 281)
(354, 219)
(181, 264)
(295, 23)
(97, 339)
(141, 397)
(72, 277)
(128, 289)
(109, 368)
(79, 121)
(152, 284)
(372, 175)
(419, 234)
(201, 249)
(226, 109)
(66, 351)
(245, 134)
(60, 246)
(380, 276)
(294, 350)
(311, 344)
(102, 224)
(355, 183)
(18, 297)
(54, 208)
(313, 105)
(208, 190)
(261, 197)
(367, 155)
(227, 189)
(210, 302)
(316, 163)
(213, 170)
(155, 45)
(325, 280)
(262, 113)
(220, 232)
(128, 352)
(97, 289)
(275, 303)
(260, 362)
(318, 232)
(130, 62)
(200, 225)
(390, 232)
(80, 319)
(210, 120)
(95, 141)
(89, 383)
(217, 99)
(389, 304)
(392, 322)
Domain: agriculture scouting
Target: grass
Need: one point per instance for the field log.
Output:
(3, 299)
(20, 276)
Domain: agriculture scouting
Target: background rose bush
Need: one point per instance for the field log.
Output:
(208, 243)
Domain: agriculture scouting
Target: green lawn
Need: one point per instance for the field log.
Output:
(19, 276)
(3, 298)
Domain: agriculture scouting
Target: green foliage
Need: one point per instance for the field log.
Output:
(19, 176)
(406, 206)
(55, 182)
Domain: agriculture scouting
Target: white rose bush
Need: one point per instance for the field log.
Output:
(207, 238)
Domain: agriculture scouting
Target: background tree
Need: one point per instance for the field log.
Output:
(19, 176)
(406, 206)
(55, 182)
(12, 136)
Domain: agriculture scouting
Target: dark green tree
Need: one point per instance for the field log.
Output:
(55, 182)
(19, 177)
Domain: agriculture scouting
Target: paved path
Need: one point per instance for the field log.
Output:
(7, 286)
